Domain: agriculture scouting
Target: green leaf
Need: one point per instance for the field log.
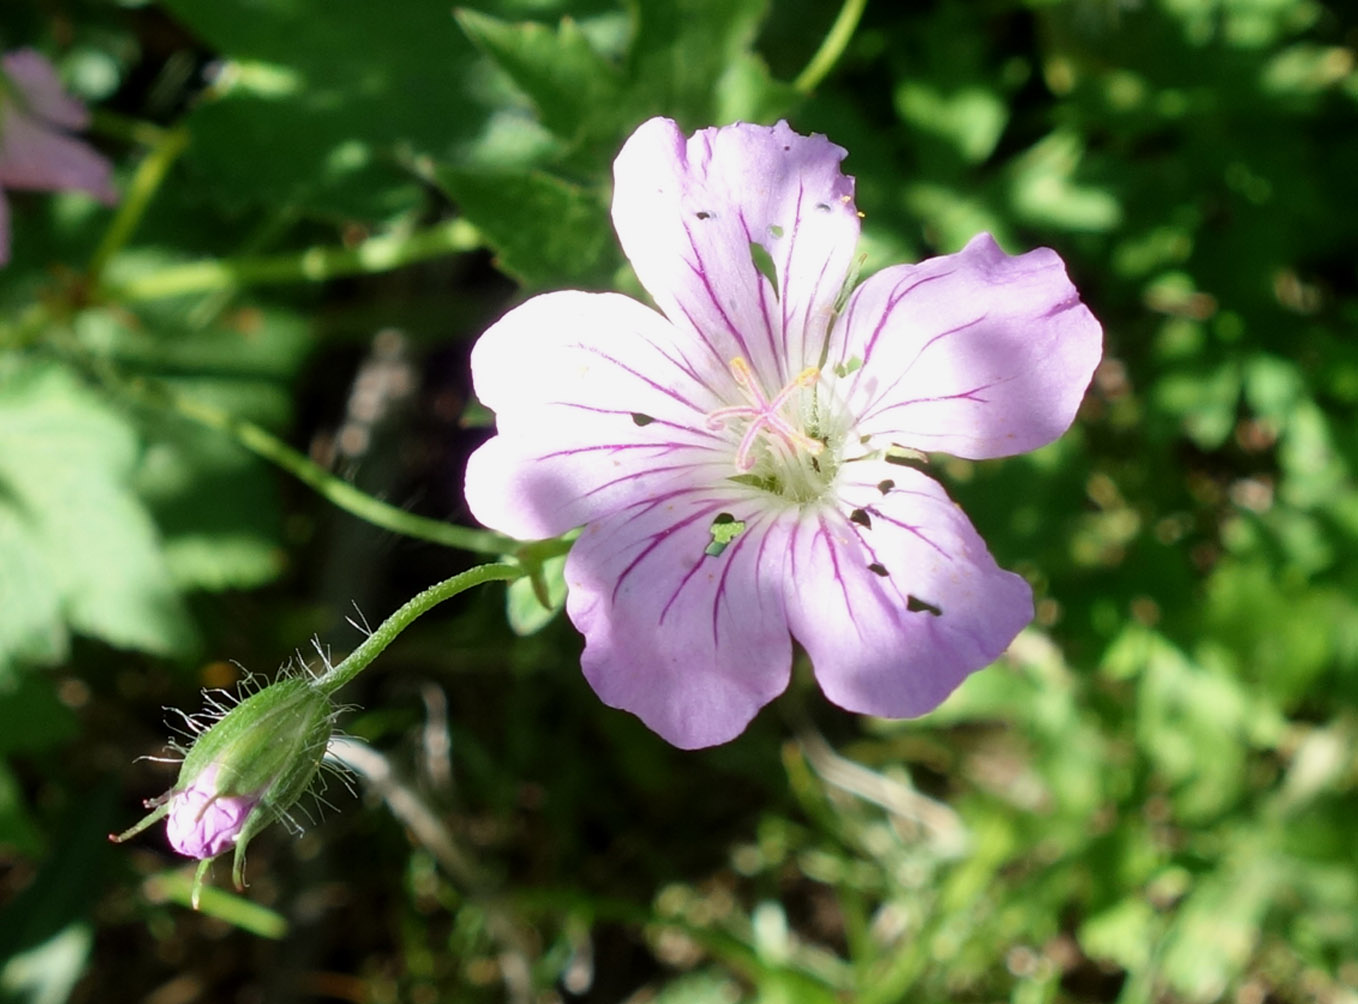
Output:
(17, 830)
(575, 90)
(1047, 190)
(32, 629)
(312, 103)
(66, 463)
(215, 503)
(545, 231)
(1124, 933)
(683, 48)
(32, 718)
(1218, 926)
(176, 886)
(970, 119)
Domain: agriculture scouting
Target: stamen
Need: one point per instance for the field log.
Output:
(764, 414)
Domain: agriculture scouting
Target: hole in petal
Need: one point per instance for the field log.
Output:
(641, 419)
(860, 516)
(904, 456)
(885, 485)
(703, 214)
(850, 283)
(763, 261)
(849, 366)
(821, 207)
(915, 605)
(877, 568)
(725, 528)
(775, 230)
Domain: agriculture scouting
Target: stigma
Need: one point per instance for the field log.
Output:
(765, 415)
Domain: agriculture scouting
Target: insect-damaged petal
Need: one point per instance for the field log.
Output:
(896, 599)
(692, 643)
(689, 211)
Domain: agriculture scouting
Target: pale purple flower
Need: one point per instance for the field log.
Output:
(202, 823)
(35, 151)
(727, 456)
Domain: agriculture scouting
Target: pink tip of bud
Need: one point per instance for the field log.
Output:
(202, 823)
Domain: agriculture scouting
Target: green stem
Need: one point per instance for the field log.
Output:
(835, 42)
(377, 254)
(147, 179)
(125, 128)
(336, 490)
(337, 676)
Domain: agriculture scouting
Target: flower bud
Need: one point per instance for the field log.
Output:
(244, 772)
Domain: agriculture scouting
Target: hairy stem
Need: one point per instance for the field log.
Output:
(336, 490)
(386, 632)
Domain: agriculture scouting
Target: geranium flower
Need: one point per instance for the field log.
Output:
(730, 457)
(35, 150)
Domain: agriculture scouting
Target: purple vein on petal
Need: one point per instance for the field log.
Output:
(659, 537)
(916, 532)
(679, 361)
(770, 337)
(881, 582)
(672, 394)
(897, 295)
(632, 477)
(661, 449)
(730, 558)
(793, 364)
(696, 430)
(885, 391)
(872, 411)
(825, 534)
(700, 270)
(811, 301)
(702, 335)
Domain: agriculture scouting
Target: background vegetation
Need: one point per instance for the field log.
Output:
(1152, 798)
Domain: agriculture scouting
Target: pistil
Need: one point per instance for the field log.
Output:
(765, 413)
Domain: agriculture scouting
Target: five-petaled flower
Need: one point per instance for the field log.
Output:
(35, 151)
(730, 457)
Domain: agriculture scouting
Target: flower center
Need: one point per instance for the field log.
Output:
(775, 451)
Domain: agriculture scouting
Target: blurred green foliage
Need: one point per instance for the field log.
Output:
(1150, 799)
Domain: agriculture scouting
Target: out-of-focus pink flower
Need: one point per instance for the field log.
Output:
(36, 152)
(741, 460)
(201, 822)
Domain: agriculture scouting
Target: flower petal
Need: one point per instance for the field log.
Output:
(688, 211)
(34, 156)
(895, 598)
(692, 644)
(977, 354)
(596, 407)
(41, 89)
(202, 823)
